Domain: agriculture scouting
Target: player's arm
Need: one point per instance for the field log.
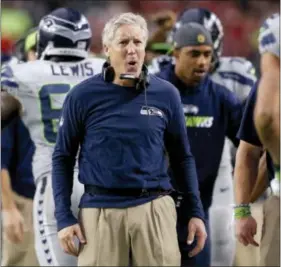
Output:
(7, 145)
(246, 171)
(10, 105)
(10, 108)
(261, 181)
(12, 218)
(267, 117)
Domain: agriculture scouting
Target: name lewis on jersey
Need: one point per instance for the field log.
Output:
(79, 69)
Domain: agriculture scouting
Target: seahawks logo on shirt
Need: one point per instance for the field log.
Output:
(190, 109)
(151, 111)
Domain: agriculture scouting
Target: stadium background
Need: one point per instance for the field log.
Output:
(241, 19)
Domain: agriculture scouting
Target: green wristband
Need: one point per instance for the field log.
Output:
(242, 212)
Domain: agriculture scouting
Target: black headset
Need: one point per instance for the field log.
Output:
(142, 82)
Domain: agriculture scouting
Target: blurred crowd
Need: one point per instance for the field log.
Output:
(241, 22)
(241, 19)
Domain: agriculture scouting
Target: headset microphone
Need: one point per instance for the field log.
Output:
(125, 76)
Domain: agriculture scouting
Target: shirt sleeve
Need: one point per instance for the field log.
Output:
(7, 144)
(247, 130)
(64, 156)
(181, 159)
(8, 81)
(234, 111)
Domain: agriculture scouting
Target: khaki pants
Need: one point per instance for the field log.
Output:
(148, 231)
(22, 254)
(250, 255)
(270, 241)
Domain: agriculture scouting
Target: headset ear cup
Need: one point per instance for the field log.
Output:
(108, 72)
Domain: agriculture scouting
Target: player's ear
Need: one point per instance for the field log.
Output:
(176, 53)
(106, 50)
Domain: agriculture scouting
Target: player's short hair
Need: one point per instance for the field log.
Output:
(113, 24)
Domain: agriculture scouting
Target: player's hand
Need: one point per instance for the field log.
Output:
(196, 227)
(245, 230)
(67, 236)
(13, 225)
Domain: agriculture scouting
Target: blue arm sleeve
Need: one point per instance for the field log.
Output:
(63, 163)
(7, 144)
(247, 131)
(182, 161)
(234, 111)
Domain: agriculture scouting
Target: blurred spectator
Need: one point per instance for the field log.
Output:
(241, 18)
(14, 22)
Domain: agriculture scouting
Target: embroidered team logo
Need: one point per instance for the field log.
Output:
(151, 111)
(190, 109)
(201, 38)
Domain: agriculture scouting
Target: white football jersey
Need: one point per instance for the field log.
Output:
(269, 35)
(42, 87)
(237, 74)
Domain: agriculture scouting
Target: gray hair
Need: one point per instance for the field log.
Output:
(113, 24)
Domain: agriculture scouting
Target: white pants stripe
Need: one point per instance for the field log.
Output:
(221, 214)
(48, 250)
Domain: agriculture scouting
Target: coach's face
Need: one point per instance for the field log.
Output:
(127, 50)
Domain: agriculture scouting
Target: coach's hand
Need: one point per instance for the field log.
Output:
(245, 230)
(13, 225)
(67, 237)
(196, 227)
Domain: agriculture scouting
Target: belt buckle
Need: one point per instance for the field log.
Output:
(144, 192)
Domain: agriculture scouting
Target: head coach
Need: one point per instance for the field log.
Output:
(124, 121)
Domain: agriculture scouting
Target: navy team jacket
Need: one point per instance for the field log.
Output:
(122, 134)
(212, 112)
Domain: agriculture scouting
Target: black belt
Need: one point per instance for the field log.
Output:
(133, 192)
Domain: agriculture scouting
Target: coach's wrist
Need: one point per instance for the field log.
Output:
(66, 222)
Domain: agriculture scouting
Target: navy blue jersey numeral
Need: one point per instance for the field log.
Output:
(51, 114)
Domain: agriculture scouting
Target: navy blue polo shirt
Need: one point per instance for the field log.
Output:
(17, 150)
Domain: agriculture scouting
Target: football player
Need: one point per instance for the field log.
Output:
(63, 42)
(238, 75)
(267, 112)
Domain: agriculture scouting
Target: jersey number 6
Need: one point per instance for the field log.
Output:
(51, 100)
